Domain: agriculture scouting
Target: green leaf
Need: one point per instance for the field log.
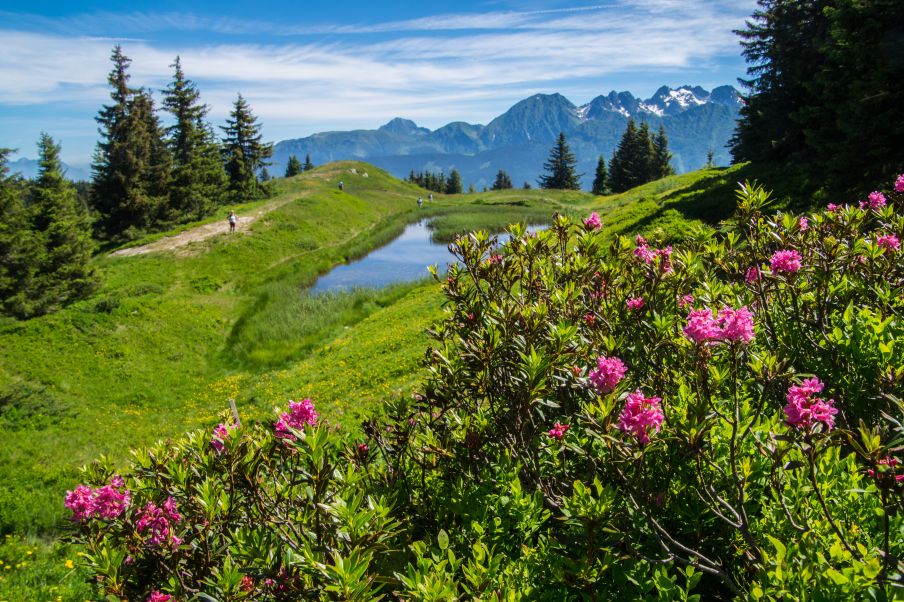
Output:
(442, 539)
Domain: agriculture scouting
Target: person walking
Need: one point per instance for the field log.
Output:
(232, 220)
(340, 184)
(431, 196)
(420, 202)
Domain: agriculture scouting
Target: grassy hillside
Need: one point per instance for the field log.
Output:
(171, 336)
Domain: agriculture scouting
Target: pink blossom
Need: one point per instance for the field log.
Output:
(156, 522)
(640, 240)
(363, 449)
(753, 275)
(899, 183)
(111, 500)
(635, 303)
(702, 326)
(805, 409)
(785, 261)
(589, 319)
(558, 431)
(890, 462)
(218, 441)
(736, 325)
(889, 242)
(640, 416)
(300, 413)
(803, 224)
(876, 200)
(608, 373)
(495, 259)
(685, 301)
(644, 253)
(156, 596)
(864, 205)
(593, 221)
(81, 502)
(832, 207)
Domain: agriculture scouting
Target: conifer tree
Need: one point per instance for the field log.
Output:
(62, 232)
(308, 166)
(503, 181)
(710, 158)
(198, 180)
(453, 184)
(293, 167)
(17, 248)
(645, 152)
(630, 164)
(244, 153)
(526, 185)
(601, 178)
(560, 168)
(662, 158)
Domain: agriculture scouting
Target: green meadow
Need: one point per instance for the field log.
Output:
(171, 336)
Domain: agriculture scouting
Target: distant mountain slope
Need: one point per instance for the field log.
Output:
(519, 140)
(28, 168)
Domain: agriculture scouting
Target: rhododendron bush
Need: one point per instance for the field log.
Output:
(612, 420)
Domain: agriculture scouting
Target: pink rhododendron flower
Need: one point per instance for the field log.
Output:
(111, 500)
(702, 326)
(832, 207)
(864, 205)
(589, 319)
(635, 303)
(593, 221)
(752, 275)
(803, 224)
(640, 240)
(81, 502)
(899, 183)
(495, 259)
(156, 596)
(890, 472)
(785, 261)
(558, 431)
(805, 409)
(876, 200)
(300, 413)
(640, 416)
(156, 522)
(685, 301)
(645, 253)
(608, 373)
(889, 242)
(736, 325)
(220, 433)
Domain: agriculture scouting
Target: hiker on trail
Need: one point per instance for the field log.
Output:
(431, 196)
(420, 202)
(232, 220)
(340, 184)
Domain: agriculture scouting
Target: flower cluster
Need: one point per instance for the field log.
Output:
(608, 373)
(785, 261)
(648, 254)
(640, 416)
(805, 409)
(876, 200)
(300, 413)
(635, 303)
(156, 522)
(730, 325)
(888, 242)
(889, 472)
(593, 221)
(220, 434)
(803, 224)
(156, 596)
(899, 183)
(558, 431)
(106, 502)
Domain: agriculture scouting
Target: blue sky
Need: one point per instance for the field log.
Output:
(307, 67)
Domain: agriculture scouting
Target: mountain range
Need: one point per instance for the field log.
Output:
(28, 168)
(519, 140)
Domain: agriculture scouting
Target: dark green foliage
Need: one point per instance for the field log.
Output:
(453, 183)
(17, 247)
(294, 167)
(601, 179)
(60, 242)
(662, 158)
(526, 185)
(503, 181)
(428, 180)
(308, 166)
(560, 174)
(630, 164)
(131, 164)
(198, 179)
(825, 87)
(243, 151)
(710, 159)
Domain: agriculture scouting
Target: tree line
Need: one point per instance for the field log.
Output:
(146, 177)
(437, 182)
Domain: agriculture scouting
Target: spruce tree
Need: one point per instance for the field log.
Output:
(662, 158)
(308, 166)
(560, 168)
(526, 185)
(198, 180)
(630, 165)
(453, 184)
(503, 181)
(645, 153)
(293, 167)
(62, 232)
(17, 245)
(601, 178)
(244, 153)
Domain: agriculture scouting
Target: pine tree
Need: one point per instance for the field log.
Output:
(662, 158)
(560, 168)
(645, 153)
(17, 246)
(471, 189)
(63, 235)
(503, 181)
(293, 167)
(453, 184)
(601, 179)
(710, 158)
(308, 166)
(243, 151)
(131, 163)
(526, 185)
(198, 180)
(632, 163)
